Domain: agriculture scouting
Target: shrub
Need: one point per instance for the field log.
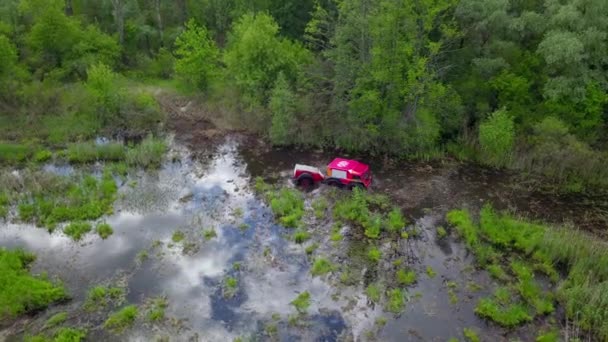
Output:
(76, 230)
(21, 292)
(496, 137)
(104, 230)
(119, 321)
(302, 302)
(197, 56)
(320, 267)
(102, 84)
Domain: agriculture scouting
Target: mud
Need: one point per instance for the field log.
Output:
(210, 187)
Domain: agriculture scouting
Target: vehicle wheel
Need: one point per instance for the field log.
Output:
(334, 183)
(354, 186)
(305, 182)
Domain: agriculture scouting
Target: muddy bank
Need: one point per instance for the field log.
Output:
(194, 195)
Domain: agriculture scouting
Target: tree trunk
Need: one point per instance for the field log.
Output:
(119, 18)
(183, 10)
(69, 10)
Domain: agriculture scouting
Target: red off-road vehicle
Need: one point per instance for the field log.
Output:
(340, 172)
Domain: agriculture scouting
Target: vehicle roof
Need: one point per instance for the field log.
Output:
(349, 165)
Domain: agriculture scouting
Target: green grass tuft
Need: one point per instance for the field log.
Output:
(119, 321)
(288, 206)
(76, 230)
(302, 302)
(56, 319)
(209, 234)
(320, 267)
(178, 236)
(104, 230)
(156, 310)
(101, 296)
(441, 232)
(470, 335)
(301, 236)
(230, 287)
(406, 278)
(149, 153)
(396, 301)
(374, 254)
(395, 221)
(373, 292)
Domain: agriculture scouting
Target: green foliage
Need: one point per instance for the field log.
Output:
(104, 230)
(321, 266)
(102, 84)
(496, 138)
(156, 309)
(230, 287)
(256, 55)
(406, 278)
(209, 234)
(288, 205)
(21, 292)
(302, 302)
(101, 296)
(396, 301)
(76, 230)
(178, 236)
(396, 221)
(56, 319)
(13, 153)
(147, 154)
(310, 249)
(60, 335)
(506, 315)
(470, 335)
(374, 254)
(430, 272)
(119, 321)
(319, 206)
(441, 232)
(282, 107)
(300, 236)
(373, 292)
(551, 336)
(197, 61)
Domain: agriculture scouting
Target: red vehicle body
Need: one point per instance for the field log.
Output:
(340, 172)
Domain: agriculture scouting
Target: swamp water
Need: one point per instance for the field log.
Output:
(216, 194)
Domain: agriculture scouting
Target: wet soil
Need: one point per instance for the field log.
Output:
(209, 187)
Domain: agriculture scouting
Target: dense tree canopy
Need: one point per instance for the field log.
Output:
(397, 77)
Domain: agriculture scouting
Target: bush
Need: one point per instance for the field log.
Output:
(103, 85)
(77, 230)
(197, 56)
(119, 321)
(496, 138)
(21, 292)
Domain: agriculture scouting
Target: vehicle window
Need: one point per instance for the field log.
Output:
(341, 174)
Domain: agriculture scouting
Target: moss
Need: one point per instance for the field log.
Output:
(121, 320)
(301, 302)
(104, 230)
(77, 230)
(320, 267)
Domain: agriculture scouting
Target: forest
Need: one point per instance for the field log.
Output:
(520, 84)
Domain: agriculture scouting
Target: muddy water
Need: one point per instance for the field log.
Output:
(215, 193)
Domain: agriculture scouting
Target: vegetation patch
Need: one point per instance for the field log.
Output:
(147, 154)
(406, 278)
(320, 267)
(301, 236)
(584, 260)
(209, 234)
(302, 302)
(101, 296)
(61, 335)
(156, 309)
(76, 230)
(21, 292)
(368, 212)
(373, 292)
(104, 230)
(230, 287)
(56, 319)
(121, 320)
(396, 301)
(374, 254)
(178, 236)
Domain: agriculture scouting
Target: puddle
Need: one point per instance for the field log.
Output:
(194, 196)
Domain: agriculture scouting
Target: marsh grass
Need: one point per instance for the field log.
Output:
(21, 292)
(288, 206)
(101, 296)
(311, 248)
(405, 278)
(104, 230)
(56, 319)
(178, 236)
(76, 230)
(374, 292)
(302, 302)
(121, 320)
(396, 301)
(583, 259)
(156, 309)
(60, 335)
(374, 254)
(230, 287)
(301, 236)
(319, 207)
(209, 234)
(395, 221)
(147, 154)
(470, 335)
(320, 267)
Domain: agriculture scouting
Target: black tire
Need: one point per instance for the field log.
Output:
(305, 181)
(333, 182)
(356, 185)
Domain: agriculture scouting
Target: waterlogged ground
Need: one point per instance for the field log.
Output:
(215, 192)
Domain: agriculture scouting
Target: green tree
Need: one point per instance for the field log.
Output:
(104, 86)
(496, 138)
(256, 54)
(197, 60)
(283, 108)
